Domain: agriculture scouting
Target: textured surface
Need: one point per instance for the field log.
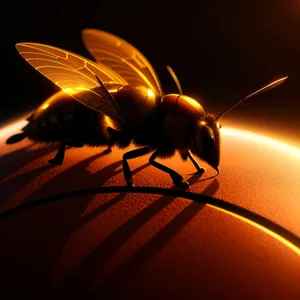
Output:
(134, 246)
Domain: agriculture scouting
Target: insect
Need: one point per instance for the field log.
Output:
(118, 100)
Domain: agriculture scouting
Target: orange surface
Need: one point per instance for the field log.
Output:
(146, 247)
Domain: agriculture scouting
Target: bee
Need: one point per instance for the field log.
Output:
(118, 100)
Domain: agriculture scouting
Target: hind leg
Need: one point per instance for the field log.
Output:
(130, 155)
(108, 150)
(60, 155)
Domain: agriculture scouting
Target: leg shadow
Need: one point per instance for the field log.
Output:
(50, 226)
(157, 243)
(110, 203)
(10, 163)
(69, 179)
(212, 188)
(84, 271)
(9, 187)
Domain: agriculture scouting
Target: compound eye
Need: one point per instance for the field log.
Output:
(207, 138)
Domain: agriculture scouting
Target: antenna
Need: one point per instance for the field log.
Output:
(260, 91)
(175, 78)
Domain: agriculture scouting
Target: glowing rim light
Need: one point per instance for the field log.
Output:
(274, 235)
(190, 101)
(74, 90)
(12, 128)
(150, 93)
(109, 121)
(45, 106)
(261, 139)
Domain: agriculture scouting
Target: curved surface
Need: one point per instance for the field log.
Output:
(138, 245)
(286, 237)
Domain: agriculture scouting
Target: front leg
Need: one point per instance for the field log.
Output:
(129, 155)
(195, 163)
(176, 177)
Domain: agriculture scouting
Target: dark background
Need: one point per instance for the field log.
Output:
(220, 50)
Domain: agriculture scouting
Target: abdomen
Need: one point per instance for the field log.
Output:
(62, 118)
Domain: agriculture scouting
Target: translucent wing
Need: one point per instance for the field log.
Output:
(75, 75)
(121, 57)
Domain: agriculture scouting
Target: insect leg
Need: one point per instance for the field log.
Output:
(108, 150)
(129, 155)
(60, 155)
(176, 177)
(195, 163)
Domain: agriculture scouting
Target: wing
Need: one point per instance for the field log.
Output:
(121, 57)
(75, 75)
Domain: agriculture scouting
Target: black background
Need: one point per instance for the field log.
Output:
(220, 50)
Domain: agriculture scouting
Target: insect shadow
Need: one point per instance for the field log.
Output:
(20, 158)
(132, 264)
(81, 275)
(68, 217)
(11, 185)
(62, 218)
(81, 176)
